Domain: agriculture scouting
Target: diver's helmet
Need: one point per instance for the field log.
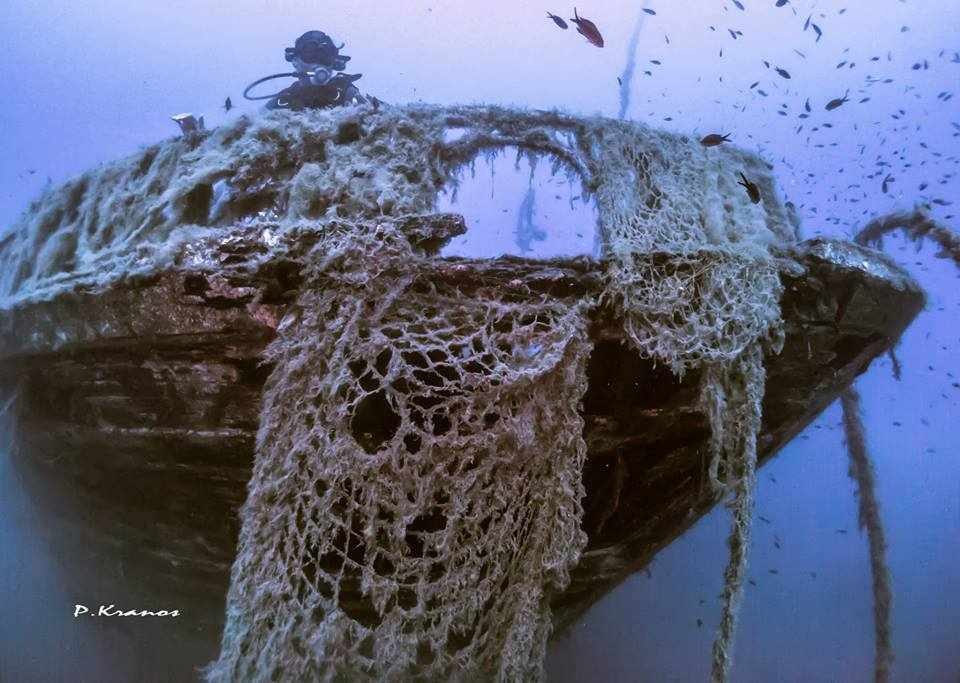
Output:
(315, 50)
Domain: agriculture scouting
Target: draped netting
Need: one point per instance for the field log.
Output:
(416, 495)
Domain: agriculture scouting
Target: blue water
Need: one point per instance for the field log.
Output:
(88, 82)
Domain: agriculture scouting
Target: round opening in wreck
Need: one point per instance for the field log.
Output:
(517, 205)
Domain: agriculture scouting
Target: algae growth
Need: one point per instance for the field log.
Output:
(431, 547)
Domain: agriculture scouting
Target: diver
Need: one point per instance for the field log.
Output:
(320, 83)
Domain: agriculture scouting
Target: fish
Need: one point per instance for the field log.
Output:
(774, 571)
(714, 139)
(587, 29)
(619, 81)
(699, 623)
(806, 105)
(751, 582)
(557, 20)
(739, 5)
(816, 29)
(781, 3)
(783, 72)
(752, 190)
(227, 105)
(836, 102)
(649, 11)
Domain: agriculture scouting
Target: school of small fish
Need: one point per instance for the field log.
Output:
(817, 22)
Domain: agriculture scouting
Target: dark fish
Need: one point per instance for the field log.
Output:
(773, 571)
(834, 103)
(751, 582)
(557, 20)
(783, 73)
(227, 105)
(807, 24)
(587, 29)
(699, 623)
(739, 5)
(806, 105)
(714, 139)
(781, 3)
(649, 11)
(752, 190)
(619, 81)
(764, 519)
(841, 531)
(754, 85)
(816, 29)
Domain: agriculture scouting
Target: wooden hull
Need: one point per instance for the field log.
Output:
(136, 410)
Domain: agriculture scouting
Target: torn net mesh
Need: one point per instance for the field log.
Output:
(416, 496)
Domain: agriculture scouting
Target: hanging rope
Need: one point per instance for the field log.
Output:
(861, 472)
(915, 224)
(626, 78)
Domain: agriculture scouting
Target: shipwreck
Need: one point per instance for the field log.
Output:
(242, 358)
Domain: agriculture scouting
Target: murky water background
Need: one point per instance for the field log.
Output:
(88, 84)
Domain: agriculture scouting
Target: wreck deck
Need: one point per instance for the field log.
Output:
(137, 406)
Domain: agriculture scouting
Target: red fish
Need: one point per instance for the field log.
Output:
(587, 29)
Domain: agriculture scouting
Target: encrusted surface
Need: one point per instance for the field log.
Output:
(399, 376)
(116, 421)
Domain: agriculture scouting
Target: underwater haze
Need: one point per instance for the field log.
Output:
(87, 83)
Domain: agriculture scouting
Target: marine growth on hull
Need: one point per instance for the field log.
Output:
(417, 490)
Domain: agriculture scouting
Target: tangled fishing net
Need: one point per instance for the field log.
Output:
(416, 494)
